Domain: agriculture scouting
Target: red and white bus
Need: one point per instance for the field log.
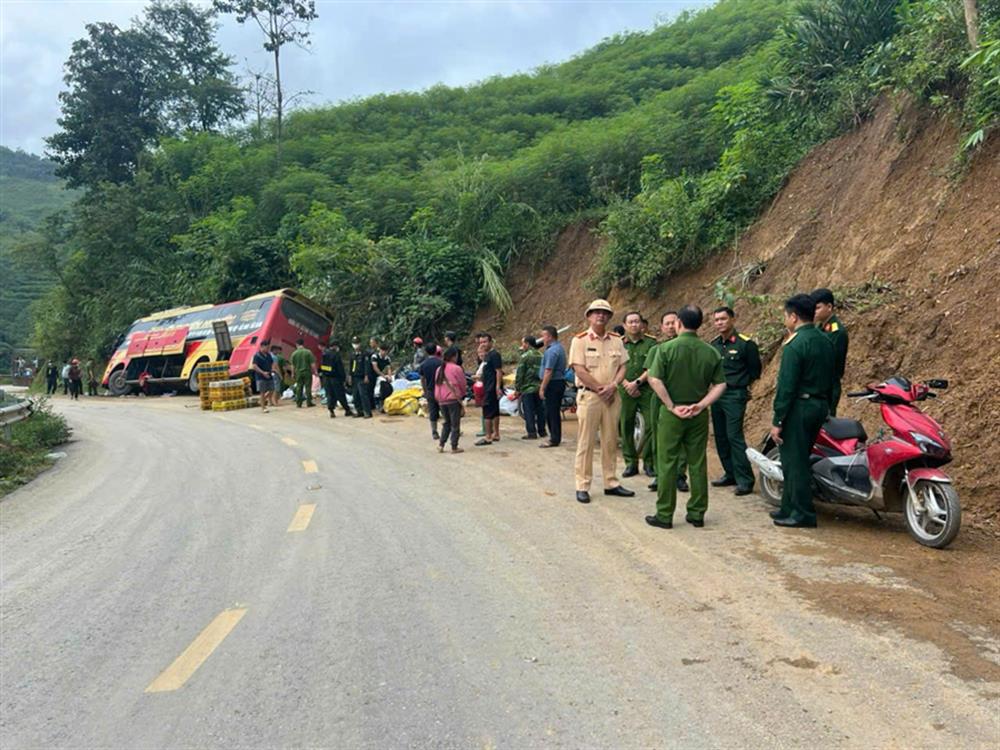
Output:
(167, 347)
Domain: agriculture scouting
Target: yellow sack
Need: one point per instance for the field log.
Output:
(404, 402)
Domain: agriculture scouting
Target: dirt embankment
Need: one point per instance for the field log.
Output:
(879, 212)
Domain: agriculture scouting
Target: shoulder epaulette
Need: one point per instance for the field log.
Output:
(743, 336)
(617, 335)
(789, 339)
(581, 334)
(834, 327)
(649, 337)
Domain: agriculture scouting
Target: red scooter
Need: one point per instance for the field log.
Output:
(897, 473)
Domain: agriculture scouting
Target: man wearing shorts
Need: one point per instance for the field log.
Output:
(492, 389)
(263, 365)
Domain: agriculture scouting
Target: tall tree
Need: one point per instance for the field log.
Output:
(111, 108)
(203, 92)
(282, 22)
(972, 22)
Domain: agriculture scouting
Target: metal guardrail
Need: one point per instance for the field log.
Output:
(11, 413)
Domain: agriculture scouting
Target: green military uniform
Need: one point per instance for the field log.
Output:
(302, 362)
(655, 407)
(741, 365)
(689, 368)
(636, 365)
(801, 405)
(526, 378)
(837, 333)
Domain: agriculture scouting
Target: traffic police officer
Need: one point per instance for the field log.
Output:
(828, 323)
(636, 395)
(687, 376)
(598, 359)
(741, 365)
(801, 405)
(331, 369)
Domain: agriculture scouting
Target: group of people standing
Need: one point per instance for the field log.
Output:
(682, 384)
(72, 376)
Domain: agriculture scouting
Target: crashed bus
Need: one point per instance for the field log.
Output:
(166, 348)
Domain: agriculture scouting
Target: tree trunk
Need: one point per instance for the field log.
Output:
(278, 98)
(972, 22)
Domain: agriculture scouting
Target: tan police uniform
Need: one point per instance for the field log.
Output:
(601, 356)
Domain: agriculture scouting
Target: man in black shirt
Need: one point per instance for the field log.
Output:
(428, 369)
(361, 376)
(492, 389)
(331, 369)
(450, 340)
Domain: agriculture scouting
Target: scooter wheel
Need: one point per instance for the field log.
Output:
(933, 513)
(771, 488)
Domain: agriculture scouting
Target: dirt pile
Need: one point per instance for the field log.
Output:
(877, 215)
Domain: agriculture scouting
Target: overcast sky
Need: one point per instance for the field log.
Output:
(359, 48)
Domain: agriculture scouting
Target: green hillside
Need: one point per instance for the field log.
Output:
(29, 191)
(402, 212)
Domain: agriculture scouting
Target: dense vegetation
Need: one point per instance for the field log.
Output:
(403, 211)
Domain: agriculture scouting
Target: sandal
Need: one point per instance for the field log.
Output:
(457, 450)
(483, 441)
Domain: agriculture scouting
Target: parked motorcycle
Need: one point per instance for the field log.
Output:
(899, 472)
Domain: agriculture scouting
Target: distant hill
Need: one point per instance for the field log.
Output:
(29, 191)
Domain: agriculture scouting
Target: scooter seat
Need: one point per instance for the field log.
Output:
(844, 429)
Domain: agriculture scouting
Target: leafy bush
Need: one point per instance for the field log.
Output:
(31, 439)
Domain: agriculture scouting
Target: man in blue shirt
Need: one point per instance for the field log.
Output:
(553, 375)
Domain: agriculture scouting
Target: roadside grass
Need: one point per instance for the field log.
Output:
(23, 458)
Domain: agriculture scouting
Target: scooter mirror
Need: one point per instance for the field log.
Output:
(935, 383)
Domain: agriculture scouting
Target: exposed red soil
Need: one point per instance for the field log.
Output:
(880, 203)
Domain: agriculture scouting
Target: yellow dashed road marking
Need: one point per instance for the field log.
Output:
(300, 522)
(195, 655)
(310, 466)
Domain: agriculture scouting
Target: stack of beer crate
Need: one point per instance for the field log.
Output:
(227, 395)
(208, 373)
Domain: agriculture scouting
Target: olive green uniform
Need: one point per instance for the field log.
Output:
(655, 407)
(688, 367)
(636, 365)
(837, 333)
(302, 363)
(801, 405)
(741, 365)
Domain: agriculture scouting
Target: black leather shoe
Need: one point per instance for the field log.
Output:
(529, 437)
(776, 514)
(332, 415)
(740, 491)
(619, 491)
(630, 471)
(791, 523)
(653, 486)
(435, 436)
(649, 471)
(582, 497)
(696, 522)
(654, 521)
(682, 485)
(723, 481)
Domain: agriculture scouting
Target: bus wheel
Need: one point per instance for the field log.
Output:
(117, 384)
(193, 377)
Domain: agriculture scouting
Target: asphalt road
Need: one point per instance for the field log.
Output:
(153, 596)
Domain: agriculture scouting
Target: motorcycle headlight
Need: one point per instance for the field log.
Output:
(928, 445)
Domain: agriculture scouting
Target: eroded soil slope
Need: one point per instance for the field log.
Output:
(879, 213)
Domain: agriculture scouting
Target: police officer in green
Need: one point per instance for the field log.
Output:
(828, 323)
(741, 364)
(801, 405)
(304, 365)
(686, 374)
(636, 395)
(668, 331)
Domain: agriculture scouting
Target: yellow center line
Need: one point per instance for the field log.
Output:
(195, 655)
(310, 466)
(289, 441)
(303, 516)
